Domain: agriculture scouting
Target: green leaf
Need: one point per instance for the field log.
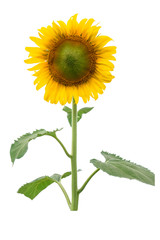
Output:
(79, 113)
(68, 174)
(20, 146)
(69, 114)
(83, 111)
(116, 166)
(32, 189)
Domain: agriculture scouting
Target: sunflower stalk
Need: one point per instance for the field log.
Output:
(74, 204)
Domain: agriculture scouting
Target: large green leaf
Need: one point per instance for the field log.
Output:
(116, 166)
(79, 113)
(20, 146)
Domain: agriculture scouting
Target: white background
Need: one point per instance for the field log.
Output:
(125, 121)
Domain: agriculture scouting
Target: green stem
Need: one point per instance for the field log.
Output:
(74, 204)
(65, 194)
(65, 150)
(88, 179)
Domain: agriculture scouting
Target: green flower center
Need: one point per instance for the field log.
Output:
(71, 60)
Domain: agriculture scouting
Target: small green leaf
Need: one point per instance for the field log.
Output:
(67, 174)
(116, 166)
(67, 109)
(20, 146)
(83, 111)
(69, 114)
(79, 113)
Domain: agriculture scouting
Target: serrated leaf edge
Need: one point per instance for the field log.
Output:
(21, 138)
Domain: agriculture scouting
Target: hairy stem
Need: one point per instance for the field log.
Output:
(74, 204)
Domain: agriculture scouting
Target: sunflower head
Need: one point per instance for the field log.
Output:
(72, 61)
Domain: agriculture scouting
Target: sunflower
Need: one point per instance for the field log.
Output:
(72, 61)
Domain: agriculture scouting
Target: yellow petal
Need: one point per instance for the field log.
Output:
(92, 33)
(39, 42)
(34, 50)
(63, 95)
(107, 56)
(69, 94)
(38, 66)
(52, 92)
(44, 75)
(58, 92)
(40, 35)
(87, 91)
(39, 56)
(56, 28)
(100, 85)
(111, 50)
(95, 94)
(81, 25)
(42, 71)
(106, 77)
(42, 83)
(104, 64)
(101, 41)
(63, 27)
(95, 89)
(72, 24)
(48, 90)
(89, 23)
(32, 60)
(55, 89)
(49, 36)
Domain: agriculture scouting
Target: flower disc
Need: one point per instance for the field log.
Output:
(72, 61)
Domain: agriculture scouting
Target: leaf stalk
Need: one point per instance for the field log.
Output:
(88, 179)
(65, 150)
(65, 194)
